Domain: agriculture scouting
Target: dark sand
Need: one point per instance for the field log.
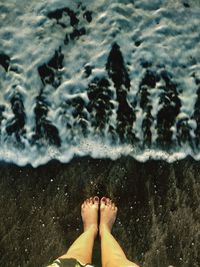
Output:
(159, 210)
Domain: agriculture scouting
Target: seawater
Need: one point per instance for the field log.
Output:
(99, 78)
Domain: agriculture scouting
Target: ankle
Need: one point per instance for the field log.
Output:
(92, 228)
(103, 229)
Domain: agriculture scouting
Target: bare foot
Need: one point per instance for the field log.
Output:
(89, 213)
(108, 213)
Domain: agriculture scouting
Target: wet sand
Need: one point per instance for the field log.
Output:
(159, 209)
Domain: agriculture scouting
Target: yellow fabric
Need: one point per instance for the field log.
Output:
(58, 263)
(53, 265)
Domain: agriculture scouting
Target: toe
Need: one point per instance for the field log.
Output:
(103, 202)
(108, 202)
(91, 200)
(113, 205)
(96, 200)
(115, 209)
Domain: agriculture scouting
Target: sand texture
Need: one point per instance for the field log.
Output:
(158, 220)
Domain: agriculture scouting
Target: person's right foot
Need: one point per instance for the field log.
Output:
(89, 213)
(108, 213)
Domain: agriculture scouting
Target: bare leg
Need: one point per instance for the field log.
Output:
(111, 252)
(82, 247)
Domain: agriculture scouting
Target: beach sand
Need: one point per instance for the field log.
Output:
(158, 220)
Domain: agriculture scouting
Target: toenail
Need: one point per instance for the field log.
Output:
(96, 198)
(104, 199)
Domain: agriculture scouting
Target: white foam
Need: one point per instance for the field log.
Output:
(30, 38)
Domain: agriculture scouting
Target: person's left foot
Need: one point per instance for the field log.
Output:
(89, 213)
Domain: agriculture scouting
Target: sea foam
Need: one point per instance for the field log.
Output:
(101, 78)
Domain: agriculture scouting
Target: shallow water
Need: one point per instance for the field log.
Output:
(101, 78)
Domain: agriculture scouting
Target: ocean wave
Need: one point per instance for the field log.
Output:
(103, 79)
